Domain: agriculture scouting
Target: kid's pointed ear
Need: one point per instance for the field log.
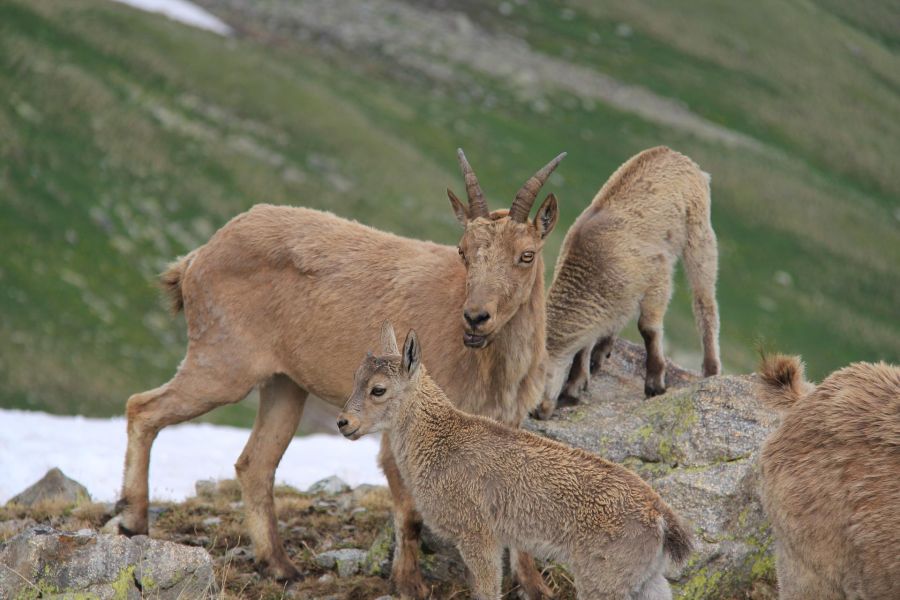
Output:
(411, 353)
(459, 209)
(547, 215)
(388, 339)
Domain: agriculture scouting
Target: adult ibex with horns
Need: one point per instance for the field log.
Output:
(288, 299)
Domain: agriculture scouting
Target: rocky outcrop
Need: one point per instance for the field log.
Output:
(697, 445)
(44, 562)
(52, 486)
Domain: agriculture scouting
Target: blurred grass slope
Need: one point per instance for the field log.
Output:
(127, 139)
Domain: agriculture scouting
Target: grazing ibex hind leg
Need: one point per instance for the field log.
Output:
(601, 351)
(701, 264)
(579, 377)
(281, 404)
(653, 309)
(196, 389)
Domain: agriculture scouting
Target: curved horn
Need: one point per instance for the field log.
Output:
(521, 206)
(477, 205)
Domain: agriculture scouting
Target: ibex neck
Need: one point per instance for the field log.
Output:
(424, 414)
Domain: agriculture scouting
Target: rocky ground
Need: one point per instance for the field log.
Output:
(696, 444)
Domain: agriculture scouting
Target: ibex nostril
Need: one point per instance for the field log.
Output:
(342, 423)
(476, 319)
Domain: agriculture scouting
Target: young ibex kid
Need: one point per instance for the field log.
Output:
(485, 486)
(618, 258)
(831, 480)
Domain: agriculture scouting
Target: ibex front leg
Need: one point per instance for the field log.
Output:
(405, 572)
(280, 408)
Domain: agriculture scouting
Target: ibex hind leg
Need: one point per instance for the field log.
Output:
(653, 309)
(701, 263)
(578, 379)
(281, 404)
(601, 351)
(195, 390)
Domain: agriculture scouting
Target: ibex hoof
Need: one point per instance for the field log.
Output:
(535, 590)
(652, 388)
(279, 570)
(411, 585)
(543, 412)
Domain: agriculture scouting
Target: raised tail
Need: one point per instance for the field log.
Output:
(783, 381)
(678, 541)
(170, 280)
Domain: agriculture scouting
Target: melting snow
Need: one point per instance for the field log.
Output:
(92, 451)
(182, 11)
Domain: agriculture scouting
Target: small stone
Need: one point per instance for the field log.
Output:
(624, 30)
(205, 487)
(326, 578)
(329, 485)
(212, 521)
(53, 485)
(348, 561)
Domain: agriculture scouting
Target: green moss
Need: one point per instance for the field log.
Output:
(123, 583)
(147, 582)
(379, 551)
(700, 586)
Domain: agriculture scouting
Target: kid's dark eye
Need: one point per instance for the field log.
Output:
(527, 256)
(378, 391)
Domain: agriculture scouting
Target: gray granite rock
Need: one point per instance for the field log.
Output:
(54, 485)
(49, 562)
(329, 485)
(348, 561)
(697, 445)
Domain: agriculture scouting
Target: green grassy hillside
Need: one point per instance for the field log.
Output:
(127, 139)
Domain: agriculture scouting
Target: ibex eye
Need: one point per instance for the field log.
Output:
(378, 391)
(527, 257)
(461, 253)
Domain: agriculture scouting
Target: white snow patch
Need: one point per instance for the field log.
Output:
(183, 12)
(92, 451)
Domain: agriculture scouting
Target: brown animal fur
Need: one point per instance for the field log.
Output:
(830, 480)
(485, 486)
(286, 298)
(618, 258)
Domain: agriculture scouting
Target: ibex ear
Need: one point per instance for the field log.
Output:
(411, 353)
(459, 209)
(547, 215)
(388, 339)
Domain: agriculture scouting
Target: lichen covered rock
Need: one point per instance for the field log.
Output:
(44, 562)
(697, 445)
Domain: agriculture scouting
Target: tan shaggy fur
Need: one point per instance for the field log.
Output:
(485, 486)
(617, 259)
(831, 480)
(287, 299)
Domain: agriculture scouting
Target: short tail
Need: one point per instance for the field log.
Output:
(678, 542)
(170, 281)
(783, 381)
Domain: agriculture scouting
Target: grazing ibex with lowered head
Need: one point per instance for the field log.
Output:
(618, 258)
(830, 480)
(485, 486)
(287, 298)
